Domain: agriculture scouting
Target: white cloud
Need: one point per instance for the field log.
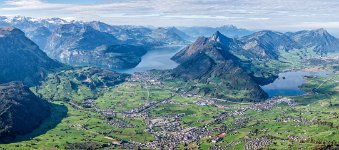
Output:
(256, 14)
(18, 5)
(21, 3)
(313, 25)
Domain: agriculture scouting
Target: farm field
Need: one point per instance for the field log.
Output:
(144, 113)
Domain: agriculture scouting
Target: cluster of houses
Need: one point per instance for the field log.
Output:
(257, 143)
(269, 104)
(169, 131)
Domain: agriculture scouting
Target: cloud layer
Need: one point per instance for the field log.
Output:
(254, 14)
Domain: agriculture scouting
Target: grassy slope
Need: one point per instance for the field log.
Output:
(314, 106)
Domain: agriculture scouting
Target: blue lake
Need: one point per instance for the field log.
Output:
(288, 83)
(158, 58)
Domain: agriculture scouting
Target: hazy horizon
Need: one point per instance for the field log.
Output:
(136, 82)
(334, 33)
(287, 15)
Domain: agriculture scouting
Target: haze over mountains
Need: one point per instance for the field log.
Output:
(120, 47)
(91, 43)
(86, 43)
(228, 30)
(319, 40)
(229, 65)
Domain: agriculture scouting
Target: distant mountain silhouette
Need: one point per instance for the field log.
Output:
(228, 30)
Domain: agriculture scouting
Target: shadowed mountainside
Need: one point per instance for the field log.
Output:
(21, 59)
(20, 110)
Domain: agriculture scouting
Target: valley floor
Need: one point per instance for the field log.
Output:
(147, 113)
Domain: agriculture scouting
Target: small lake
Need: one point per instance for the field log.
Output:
(288, 83)
(158, 58)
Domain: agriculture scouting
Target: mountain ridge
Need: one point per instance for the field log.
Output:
(319, 40)
(229, 30)
(81, 43)
(21, 59)
(210, 63)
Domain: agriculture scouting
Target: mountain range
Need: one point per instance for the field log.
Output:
(319, 40)
(241, 64)
(102, 45)
(210, 61)
(266, 44)
(83, 43)
(231, 67)
(228, 30)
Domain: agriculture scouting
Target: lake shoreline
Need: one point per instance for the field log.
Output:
(288, 83)
(158, 58)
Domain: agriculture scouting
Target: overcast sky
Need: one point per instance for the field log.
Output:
(282, 15)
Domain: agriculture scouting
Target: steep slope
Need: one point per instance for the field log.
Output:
(120, 56)
(95, 44)
(180, 33)
(20, 110)
(250, 60)
(21, 59)
(85, 43)
(319, 40)
(209, 61)
(73, 37)
(82, 45)
(38, 35)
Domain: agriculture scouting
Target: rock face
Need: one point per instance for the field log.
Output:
(83, 45)
(95, 44)
(209, 61)
(20, 110)
(21, 59)
(39, 35)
